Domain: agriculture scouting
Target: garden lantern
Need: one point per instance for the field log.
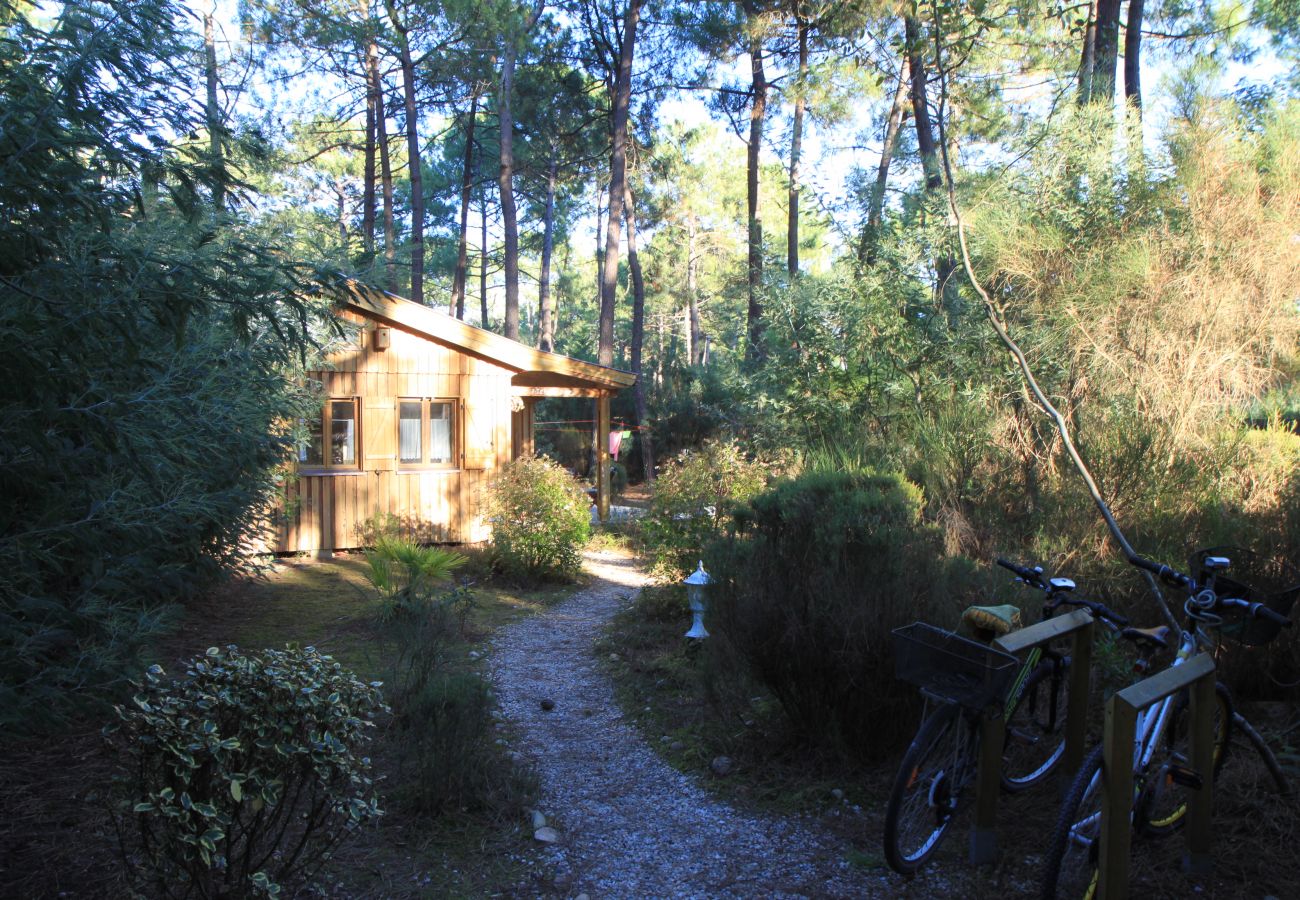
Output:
(695, 590)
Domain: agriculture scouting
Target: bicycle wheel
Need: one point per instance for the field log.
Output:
(1035, 741)
(928, 789)
(1071, 869)
(1162, 801)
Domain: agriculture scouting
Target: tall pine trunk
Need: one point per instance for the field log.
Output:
(757, 114)
(617, 184)
(368, 200)
(1133, 90)
(1133, 55)
(796, 142)
(545, 322)
(212, 113)
(482, 267)
(695, 348)
(1106, 52)
(944, 264)
(875, 214)
(638, 339)
(466, 187)
(413, 155)
(505, 181)
(509, 212)
(600, 247)
(385, 171)
(1088, 58)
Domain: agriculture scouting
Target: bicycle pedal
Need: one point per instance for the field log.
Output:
(1188, 778)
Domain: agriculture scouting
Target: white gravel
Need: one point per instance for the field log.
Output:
(630, 825)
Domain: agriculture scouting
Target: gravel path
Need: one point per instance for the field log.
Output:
(630, 825)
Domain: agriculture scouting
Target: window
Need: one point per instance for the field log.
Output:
(332, 440)
(426, 432)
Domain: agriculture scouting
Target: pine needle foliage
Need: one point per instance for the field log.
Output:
(146, 389)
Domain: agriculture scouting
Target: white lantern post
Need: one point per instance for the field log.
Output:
(695, 590)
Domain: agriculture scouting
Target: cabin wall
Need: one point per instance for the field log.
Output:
(324, 509)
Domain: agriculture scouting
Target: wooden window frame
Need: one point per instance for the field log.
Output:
(457, 441)
(326, 466)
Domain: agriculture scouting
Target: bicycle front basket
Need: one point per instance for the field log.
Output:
(950, 667)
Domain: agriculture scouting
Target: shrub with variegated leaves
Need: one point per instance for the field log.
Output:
(241, 778)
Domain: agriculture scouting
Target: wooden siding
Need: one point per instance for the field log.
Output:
(324, 510)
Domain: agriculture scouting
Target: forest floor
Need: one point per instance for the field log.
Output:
(629, 775)
(57, 838)
(672, 691)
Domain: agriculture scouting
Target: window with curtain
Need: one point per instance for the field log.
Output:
(441, 444)
(426, 432)
(410, 431)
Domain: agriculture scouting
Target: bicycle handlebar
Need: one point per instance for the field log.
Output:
(1099, 610)
(1168, 575)
(1031, 576)
(1256, 610)
(1034, 578)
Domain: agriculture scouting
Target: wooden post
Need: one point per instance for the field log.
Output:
(1076, 718)
(1200, 803)
(1116, 798)
(983, 834)
(1117, 768)
(988, 783)
(602, 457)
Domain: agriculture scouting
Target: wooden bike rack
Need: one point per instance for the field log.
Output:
(1117, 769)
(1077, 624)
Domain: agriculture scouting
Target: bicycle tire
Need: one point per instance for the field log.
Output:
(1035, 741)
(922, 801)
(1071, 867)
(1162, 804)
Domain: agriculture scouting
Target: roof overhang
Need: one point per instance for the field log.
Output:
(536, 373)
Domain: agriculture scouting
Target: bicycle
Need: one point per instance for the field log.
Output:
(964, 677)
(1160, 757)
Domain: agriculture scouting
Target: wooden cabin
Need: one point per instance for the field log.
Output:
(420, 409)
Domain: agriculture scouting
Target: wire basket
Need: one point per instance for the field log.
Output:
(952, 668)
(1274, 583)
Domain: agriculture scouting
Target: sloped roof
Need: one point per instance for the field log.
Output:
(535, 367)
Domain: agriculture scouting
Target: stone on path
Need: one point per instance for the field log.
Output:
(547, 835)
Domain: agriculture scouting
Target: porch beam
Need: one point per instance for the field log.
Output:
(519, 390)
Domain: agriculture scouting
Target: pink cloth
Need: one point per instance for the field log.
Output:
(615, 441)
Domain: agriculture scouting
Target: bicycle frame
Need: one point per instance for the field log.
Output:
(1153, 722)
(1150, 729)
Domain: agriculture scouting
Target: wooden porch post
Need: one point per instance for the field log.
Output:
(602, 457)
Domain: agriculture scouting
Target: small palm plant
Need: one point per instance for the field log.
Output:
(406, 575)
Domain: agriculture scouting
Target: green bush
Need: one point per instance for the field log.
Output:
(152, 345)
(821, 568)
(693, 496)
(442, 730)
(540, 520)
(242, 778)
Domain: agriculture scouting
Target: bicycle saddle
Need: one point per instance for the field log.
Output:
(1152, 638)
(998, 620)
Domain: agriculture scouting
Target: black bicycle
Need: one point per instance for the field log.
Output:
(962, 677)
